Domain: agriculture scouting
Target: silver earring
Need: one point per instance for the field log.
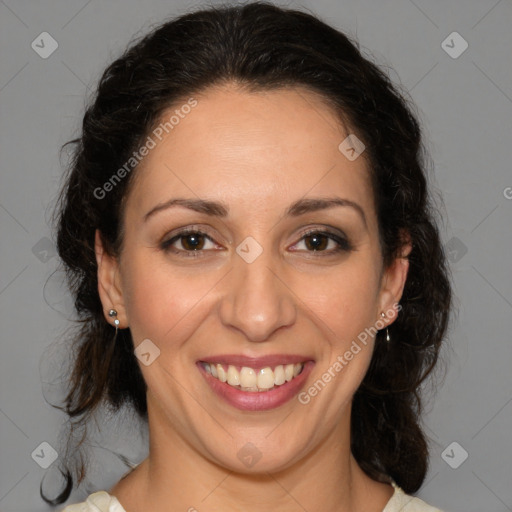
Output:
(113, 313)
(388, 339)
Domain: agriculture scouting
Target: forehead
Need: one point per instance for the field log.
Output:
(261, 147)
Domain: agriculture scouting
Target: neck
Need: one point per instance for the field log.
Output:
(176, 476)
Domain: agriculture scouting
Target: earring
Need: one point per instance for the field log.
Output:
(388, 339)
(113, 313)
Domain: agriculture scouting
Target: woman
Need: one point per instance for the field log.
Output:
(252, 247)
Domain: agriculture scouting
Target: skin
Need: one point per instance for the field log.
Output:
(257, 152)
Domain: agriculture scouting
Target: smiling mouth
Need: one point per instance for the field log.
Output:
(253, 380)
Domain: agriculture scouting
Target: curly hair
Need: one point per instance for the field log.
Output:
(258, 46)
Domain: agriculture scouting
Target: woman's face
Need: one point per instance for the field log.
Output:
(250, 175)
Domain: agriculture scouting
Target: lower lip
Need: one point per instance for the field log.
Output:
(258, 400)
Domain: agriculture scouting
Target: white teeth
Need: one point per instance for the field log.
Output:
(266, 378)
(252, 380)
(279, 376)
(248, 378)
(233, 376)
(288, 372)
(221, 373)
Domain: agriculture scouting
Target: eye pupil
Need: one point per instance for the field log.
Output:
(319, 241)
(193, 241)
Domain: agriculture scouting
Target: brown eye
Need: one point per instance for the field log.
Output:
(192, 241)
(324, 243)
(317, 241)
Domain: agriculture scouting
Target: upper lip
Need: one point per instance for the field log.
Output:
(271, 360)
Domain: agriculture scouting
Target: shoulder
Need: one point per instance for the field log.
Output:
(401, 502)
(100, 501)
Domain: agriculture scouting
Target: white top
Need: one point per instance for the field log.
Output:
(102, 501)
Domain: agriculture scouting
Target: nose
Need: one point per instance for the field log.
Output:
(257, 301)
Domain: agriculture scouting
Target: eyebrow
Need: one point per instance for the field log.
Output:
(220, 209)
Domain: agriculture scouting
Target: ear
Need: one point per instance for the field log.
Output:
(109, 287)
(393, 283)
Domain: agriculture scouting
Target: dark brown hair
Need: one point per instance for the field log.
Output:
(258, 46)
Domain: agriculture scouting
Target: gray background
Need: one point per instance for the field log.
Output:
(465, 105)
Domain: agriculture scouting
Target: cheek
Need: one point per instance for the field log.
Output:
(162, 305)
(344, 300)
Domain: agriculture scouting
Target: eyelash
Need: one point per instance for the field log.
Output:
(343, 244)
